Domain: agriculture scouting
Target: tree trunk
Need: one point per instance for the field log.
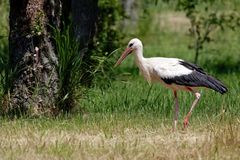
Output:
(130, 8)
(32, 55)
(85, 17)
(84, 14)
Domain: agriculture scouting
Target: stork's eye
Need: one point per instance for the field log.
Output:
(131, 44)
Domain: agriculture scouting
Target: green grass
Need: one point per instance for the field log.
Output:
(128, 119)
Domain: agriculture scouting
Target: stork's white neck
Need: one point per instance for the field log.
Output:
(139, 56)
(141, 63)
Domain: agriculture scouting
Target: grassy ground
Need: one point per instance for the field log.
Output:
(117, 137)
(128, 119)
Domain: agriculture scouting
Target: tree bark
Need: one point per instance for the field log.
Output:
(84, 18)
(34, 88)
(84, 14)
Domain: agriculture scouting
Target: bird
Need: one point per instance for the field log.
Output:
(174, 73)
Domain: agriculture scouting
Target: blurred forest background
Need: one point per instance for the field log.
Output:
(57, 58)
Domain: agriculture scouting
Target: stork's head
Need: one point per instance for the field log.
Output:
(133, 45)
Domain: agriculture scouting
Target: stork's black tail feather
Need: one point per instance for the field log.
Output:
(198, 79)
(201, 78)
(215, 85)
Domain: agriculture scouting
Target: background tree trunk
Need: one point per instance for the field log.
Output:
(84, 15)
(130, 8)
(32, 55)
(84, 18)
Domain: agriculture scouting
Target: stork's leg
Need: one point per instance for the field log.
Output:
(197, 97)
(176, 110)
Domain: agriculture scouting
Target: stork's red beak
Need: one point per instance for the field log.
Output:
(123, 56)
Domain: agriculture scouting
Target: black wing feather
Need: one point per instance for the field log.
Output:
(198, 78)
(192, 66)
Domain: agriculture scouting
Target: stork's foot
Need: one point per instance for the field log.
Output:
(185, 123)
(174, 126)
(173, 129)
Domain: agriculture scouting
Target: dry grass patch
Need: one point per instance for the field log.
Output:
(206, 142)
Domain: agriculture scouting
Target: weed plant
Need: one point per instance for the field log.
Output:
(69, 68)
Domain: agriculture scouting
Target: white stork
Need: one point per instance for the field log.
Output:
(174, 73)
